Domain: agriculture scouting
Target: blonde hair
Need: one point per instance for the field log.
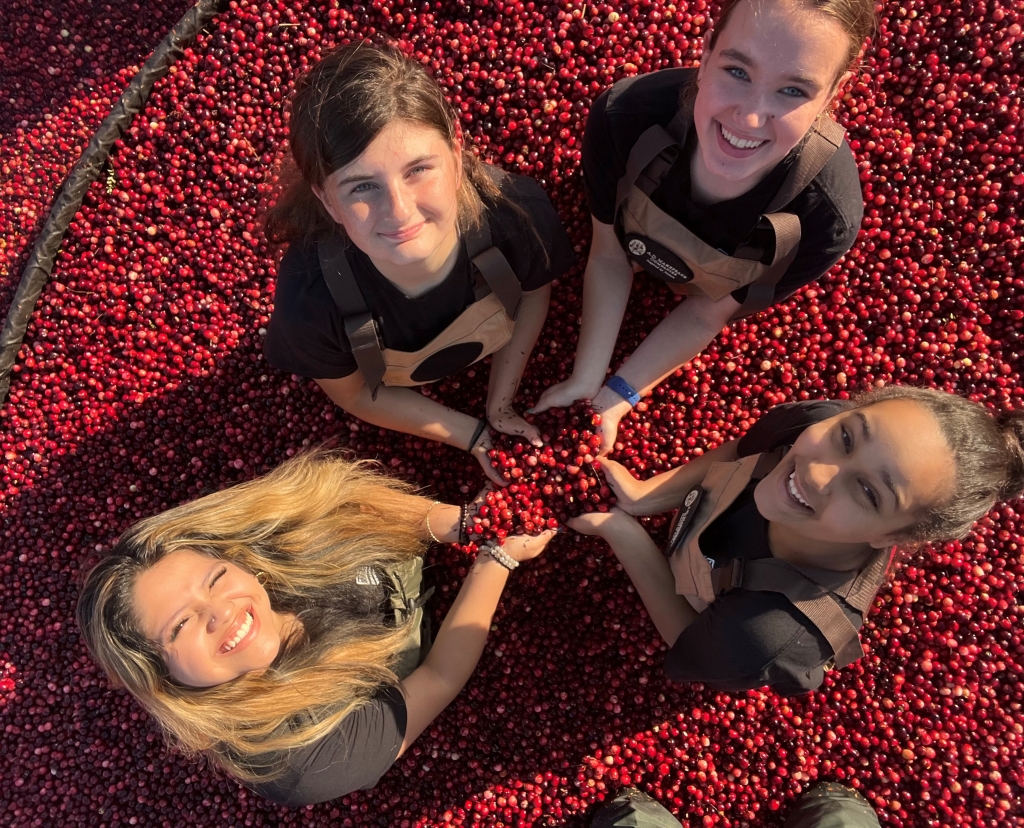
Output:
(308, 526)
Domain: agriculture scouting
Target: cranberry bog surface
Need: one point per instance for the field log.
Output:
(141, 383)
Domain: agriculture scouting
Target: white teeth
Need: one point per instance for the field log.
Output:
(738, 142)
(242, 632)
(791, 485)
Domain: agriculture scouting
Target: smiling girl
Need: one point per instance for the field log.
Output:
(275, 626)
(409, 258)
(729, 182)
(785, 535)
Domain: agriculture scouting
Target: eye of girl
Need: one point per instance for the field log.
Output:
(362, 187)
(870, 494)
(847, 438)
(178, 627)
(736, 72)
(793, 92)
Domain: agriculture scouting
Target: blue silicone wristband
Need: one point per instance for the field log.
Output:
(624, 390)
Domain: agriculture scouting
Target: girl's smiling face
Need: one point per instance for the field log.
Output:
(773, 70)
(861, 476)
(211, 619)
(398, 201)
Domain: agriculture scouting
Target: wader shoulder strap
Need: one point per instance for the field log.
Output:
(406, 593)
(761, 294)
(494, 267)
(654, 153)
(360, 328)
(811, 598)
(822, 143)
(860, 593)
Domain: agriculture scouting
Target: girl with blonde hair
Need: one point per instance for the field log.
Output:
(274, 626)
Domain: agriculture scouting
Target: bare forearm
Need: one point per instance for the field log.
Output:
(606, 286)
(508, 364)
(460, 640)
(652, 578)
(406, 410)
(666, 491)
(680, 336)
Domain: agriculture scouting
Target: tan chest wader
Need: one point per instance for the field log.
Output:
(815, 592)
(667, 249)
(481, 329)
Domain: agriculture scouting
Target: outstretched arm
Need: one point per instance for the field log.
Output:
(606, 285)
(680, 336)
(403, 409)
(646, 567)
(663, 491)
(432, 686)
(507, 366)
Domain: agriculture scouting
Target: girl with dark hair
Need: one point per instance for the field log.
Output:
(783, 537)
(729, 182)
(274, 627)
(410, 259)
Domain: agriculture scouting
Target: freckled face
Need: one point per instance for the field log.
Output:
(772, 71)
(398, 201)
(211, 619)
(861, 476)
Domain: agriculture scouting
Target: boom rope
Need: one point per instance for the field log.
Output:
(44, 254)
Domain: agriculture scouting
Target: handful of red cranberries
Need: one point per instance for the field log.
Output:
(141, 384)
(547, 484)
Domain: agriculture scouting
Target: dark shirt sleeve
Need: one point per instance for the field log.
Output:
(540, 253)
(353, 757)
(617, 119)
(745, 640)
(598, 173)
(783, 424)
(306, 335)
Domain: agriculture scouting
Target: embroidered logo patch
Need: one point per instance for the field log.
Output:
(657, 260)
(683, 518)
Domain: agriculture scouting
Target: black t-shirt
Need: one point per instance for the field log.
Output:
(747, 639)
(354, 756)
(306, 335)
(830, 208)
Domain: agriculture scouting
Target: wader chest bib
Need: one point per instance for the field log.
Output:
(481, 329)
(667, 249)
(811, 590)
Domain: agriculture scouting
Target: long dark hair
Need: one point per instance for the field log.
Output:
(988, 456)
(339, 107)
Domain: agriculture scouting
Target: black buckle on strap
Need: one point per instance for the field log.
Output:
(731, 576)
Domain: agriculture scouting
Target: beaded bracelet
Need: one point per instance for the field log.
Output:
(502, 557)
(463, 521)
(430, 531)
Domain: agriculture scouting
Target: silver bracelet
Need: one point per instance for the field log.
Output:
(501, 556)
